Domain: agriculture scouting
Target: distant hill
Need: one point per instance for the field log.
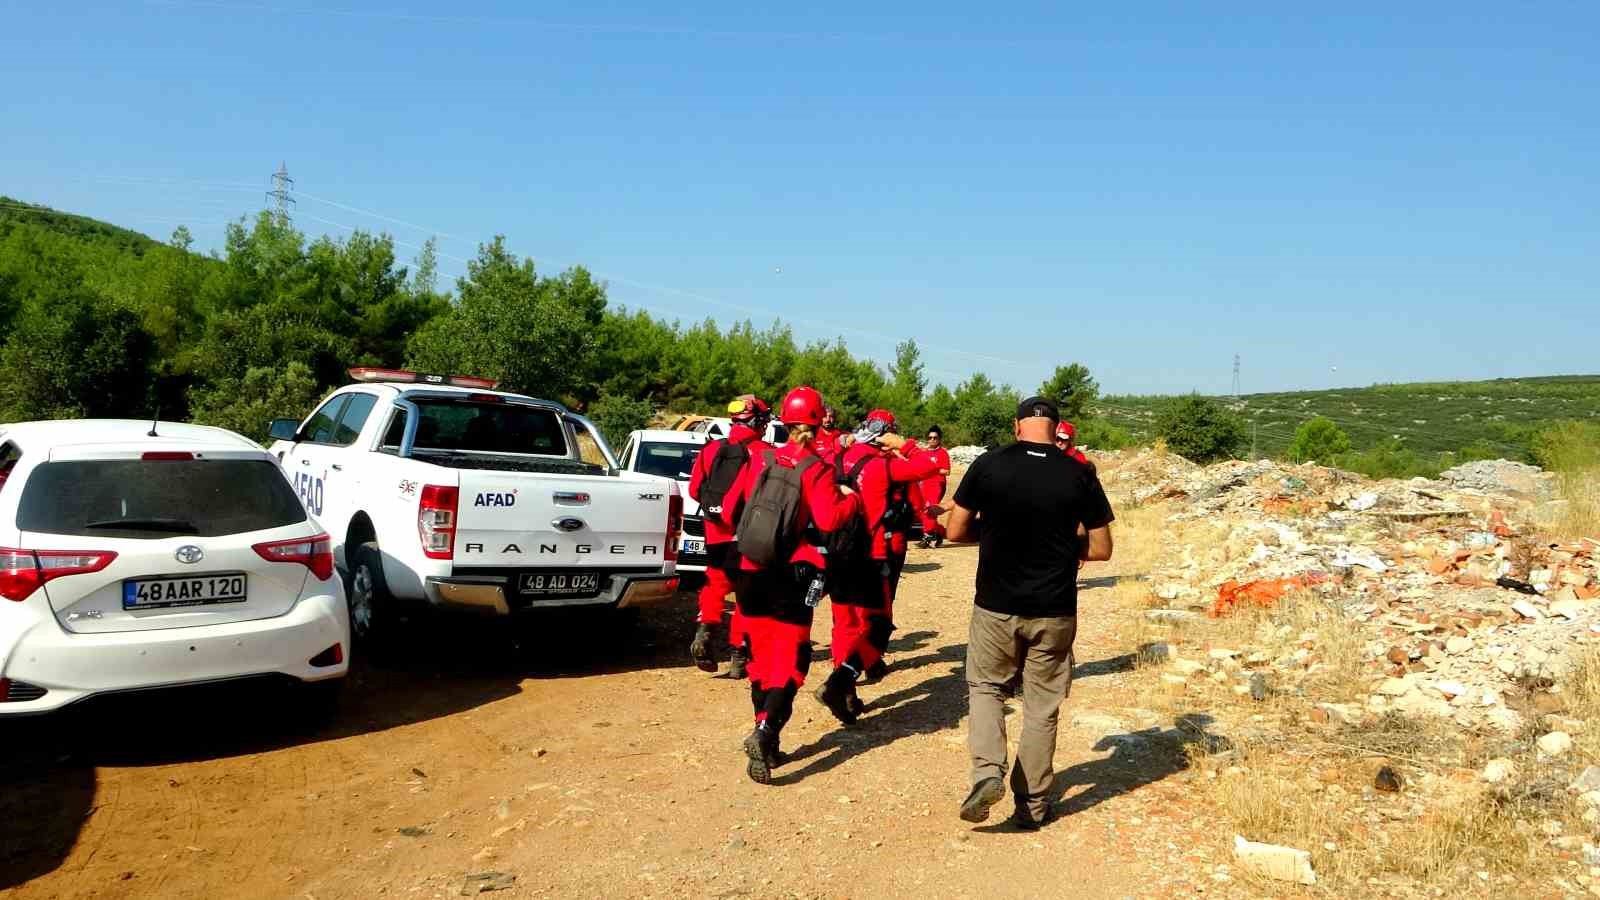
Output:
(81, 228)
(1426, 417)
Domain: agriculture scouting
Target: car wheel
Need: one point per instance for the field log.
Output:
(372, 607)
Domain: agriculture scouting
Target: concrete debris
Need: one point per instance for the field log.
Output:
(1274, 861)
(1498, 771)
(1456, 601)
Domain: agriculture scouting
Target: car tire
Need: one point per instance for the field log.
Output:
(374, 613)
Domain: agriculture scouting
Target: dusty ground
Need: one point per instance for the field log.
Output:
(586, 769)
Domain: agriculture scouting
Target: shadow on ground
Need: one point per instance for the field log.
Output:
(1138, 759)
(438, 667)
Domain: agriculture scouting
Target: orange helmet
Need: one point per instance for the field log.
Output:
(1065, 431)
(748, 408)
(803, 406)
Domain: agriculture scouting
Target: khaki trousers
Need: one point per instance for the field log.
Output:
(998, 647)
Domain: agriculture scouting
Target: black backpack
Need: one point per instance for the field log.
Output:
(721, 476)
(769, 526)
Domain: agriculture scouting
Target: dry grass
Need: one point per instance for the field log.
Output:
(1580, 516)
(1470, 832)
(1581, 689)
(1337, 671)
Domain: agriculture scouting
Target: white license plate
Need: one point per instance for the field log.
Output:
(195, 590)
(577, 583)
(692, 545)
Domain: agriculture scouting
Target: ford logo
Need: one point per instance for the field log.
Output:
(568, 524)
(189, 554)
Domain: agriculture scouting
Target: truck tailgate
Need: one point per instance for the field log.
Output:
(530, 520)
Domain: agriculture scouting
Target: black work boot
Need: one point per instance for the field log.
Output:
(739, 662)
(762, 749)
(700, 650)
(876, 672)
(836, 692)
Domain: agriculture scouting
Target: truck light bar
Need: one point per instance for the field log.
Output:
(373, 373)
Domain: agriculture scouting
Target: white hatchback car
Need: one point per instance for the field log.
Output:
(135, 557)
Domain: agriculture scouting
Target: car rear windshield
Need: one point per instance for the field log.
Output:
(667, 460)
(453, 426)
(134, 498)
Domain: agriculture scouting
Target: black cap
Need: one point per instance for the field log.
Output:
(1038, 406)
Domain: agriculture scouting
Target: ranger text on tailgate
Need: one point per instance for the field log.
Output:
(442, 491)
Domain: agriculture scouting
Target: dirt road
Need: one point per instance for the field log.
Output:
(586, 770)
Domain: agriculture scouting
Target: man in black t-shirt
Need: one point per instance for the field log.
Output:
(1024, 505)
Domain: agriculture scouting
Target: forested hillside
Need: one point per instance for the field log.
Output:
(100, 321)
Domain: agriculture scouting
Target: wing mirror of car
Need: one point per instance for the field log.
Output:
(283, 429)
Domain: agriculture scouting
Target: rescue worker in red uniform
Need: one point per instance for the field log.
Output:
(779, 601)
(750, 416)
(1067, 442)
(862, 589)
(827, 439)
(933, 489)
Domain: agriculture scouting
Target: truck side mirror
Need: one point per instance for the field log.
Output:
(283, 429)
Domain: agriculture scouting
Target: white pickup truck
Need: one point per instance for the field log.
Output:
(441, 491)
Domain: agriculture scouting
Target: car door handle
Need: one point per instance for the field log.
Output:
(304, 461)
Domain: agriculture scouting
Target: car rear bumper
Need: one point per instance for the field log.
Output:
(493, 594)
(37, 653)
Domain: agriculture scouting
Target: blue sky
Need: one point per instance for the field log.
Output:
(1401, 191)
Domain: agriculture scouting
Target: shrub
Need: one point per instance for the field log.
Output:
(617, 416)
(1318, 440)
(1098, 434)
(76, 356)
(245, 405)
(1199, 429)
(1568, 446)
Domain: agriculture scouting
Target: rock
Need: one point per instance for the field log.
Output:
(1154, 653)
(1273, 861)
(1169, 591)
(1587, 780)
(1097, 722)
(1187, 667)
(1221, 654)
(1499, 476)
(1527, 610)
(1556, 743)
(1458, 645)
(1590, 799)
(1363, 501)
(1499, 770)
(1396, 687)
(1397, 655)
(1171, 616)
(1341, 713)
(484, 882)
(1258, 686)
(1388, 780)
(1569, 608)
(1450, 689)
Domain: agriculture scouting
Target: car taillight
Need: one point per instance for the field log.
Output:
(674, 523)
(24, 571)
(315, 553)
(436, 521)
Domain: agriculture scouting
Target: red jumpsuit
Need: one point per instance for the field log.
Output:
(932, 489)
(863, 601)
(720, 547)
(773, 600)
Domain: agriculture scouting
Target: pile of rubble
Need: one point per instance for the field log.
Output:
(1464, 612)
(966, 454)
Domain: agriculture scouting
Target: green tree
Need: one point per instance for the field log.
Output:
(1073, 389)
(247, 404)
(1318, 440)
(984, 413)
(1200, 430)
(78, 356)
(1098, 434)
(533, 334)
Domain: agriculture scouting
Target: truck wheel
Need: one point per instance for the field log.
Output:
(373, 615)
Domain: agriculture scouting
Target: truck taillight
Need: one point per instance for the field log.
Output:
(674, 525)
(315, 553)
(436, 521)
(24, 571)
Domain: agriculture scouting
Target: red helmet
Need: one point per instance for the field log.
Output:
(803, 406)
(1065, 430)
(884, 416)
(748, 408)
